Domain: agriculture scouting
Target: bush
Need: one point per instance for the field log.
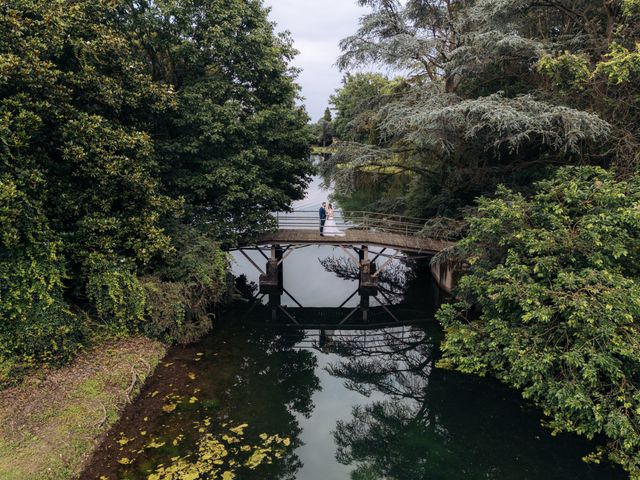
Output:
(35, 322)
(550, 304)
(115, 292)
(182, 297)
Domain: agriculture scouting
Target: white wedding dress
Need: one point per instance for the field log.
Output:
(330, 227)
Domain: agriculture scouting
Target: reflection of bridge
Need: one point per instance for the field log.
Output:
(361, 230)
(327, 318)
(356, 341)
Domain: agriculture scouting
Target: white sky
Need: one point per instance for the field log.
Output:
(317, 26)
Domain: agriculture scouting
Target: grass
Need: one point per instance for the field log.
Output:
(55, 418)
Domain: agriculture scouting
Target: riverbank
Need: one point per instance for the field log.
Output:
(51, 423)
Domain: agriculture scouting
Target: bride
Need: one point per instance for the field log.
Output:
(330, 227)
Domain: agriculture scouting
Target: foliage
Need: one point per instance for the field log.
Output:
(182, 294)
(36, 324)
(323, 132)
(81, 174)
(236, 145)
(355, 103)
(73, 95)
(115, 292)
(490, 89)
(620, 65)
(123, 125)
(550, 304)
(327, 115)
(222, 458)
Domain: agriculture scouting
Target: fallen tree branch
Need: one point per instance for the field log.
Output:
(104, 415)
(134, 378)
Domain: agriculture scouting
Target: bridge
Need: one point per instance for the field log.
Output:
(302, 227)
(358, 231)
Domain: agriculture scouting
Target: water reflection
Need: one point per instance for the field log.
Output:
(372, 406)
(393, 281)
(200, 394)
(352, 404)
(436, 424)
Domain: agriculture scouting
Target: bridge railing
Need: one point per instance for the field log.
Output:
(357, 220)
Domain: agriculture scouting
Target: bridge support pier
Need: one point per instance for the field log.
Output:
(271, 283)
(271, 279)
(368, 282)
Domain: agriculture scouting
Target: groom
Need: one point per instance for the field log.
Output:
(323, 218)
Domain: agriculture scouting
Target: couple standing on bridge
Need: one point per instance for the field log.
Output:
(328, 227)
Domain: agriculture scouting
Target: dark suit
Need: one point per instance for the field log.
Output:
(323, 218)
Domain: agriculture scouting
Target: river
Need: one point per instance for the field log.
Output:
(252, 401)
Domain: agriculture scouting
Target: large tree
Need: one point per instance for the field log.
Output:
(236, 145)
(484, 100)
(77, 168)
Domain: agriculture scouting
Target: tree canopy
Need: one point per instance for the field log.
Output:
(135, 138)
(495, 93)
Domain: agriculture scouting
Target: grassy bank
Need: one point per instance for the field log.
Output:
(51, 422)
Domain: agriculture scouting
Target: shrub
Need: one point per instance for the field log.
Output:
(114, 290)
(550, 304)
(182, 297)
(36, 324)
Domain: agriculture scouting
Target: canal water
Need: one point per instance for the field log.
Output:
(255, 400)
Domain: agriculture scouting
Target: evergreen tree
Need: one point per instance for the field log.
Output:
(327, 115)
(480, 105)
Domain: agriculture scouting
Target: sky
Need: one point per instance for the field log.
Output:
(317, 26)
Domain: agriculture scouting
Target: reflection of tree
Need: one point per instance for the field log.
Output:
(294, 369)
(273, 383)
(245, 288)
(380, 439)
(237, 376)
(392, 281)
(426, 423)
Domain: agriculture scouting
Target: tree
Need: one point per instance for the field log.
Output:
(326, 132)
(327, 115)
(236, 145)
(323, 131)
(356, 104)
(480, 105)
(77, 170)
(549, 304)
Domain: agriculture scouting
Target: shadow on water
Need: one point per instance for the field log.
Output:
(362, 404)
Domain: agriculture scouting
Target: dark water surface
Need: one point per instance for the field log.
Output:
(256, 402)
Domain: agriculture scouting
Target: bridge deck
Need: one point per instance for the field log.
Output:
(356, 237)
